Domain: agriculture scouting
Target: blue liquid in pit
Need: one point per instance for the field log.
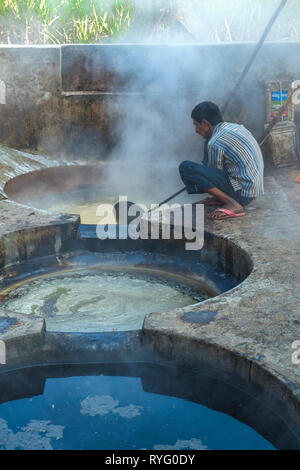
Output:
(116, 412)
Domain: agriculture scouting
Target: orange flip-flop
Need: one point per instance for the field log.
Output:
(227, 214)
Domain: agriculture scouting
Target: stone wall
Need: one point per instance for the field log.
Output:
(76, 99)
(32, 79)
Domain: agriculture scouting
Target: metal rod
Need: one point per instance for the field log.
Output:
(166, 200)
(254, 54)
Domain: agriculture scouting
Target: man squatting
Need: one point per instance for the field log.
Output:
(232, 169)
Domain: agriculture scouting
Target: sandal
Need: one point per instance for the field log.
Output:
(227, 214)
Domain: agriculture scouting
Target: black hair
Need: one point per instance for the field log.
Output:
(209, 111)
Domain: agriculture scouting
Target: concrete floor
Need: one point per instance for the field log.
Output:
(259, 319)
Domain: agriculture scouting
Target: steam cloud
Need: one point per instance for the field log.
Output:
(153, 131)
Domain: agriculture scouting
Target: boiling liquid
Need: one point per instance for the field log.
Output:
(93, 300)
(91, 212)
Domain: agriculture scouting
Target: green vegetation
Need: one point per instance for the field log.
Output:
(240, 20)
(62, 21)
(90, 21)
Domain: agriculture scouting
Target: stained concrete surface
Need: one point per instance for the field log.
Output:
(15, 162)
(259, 319)
(74, 96)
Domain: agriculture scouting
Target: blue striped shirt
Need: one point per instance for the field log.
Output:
(234, 150)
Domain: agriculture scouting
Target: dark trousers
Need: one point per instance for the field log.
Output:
(199, 178)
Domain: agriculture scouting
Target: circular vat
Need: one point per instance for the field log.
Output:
(112, 284)
(81, 189)
(133, 406)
